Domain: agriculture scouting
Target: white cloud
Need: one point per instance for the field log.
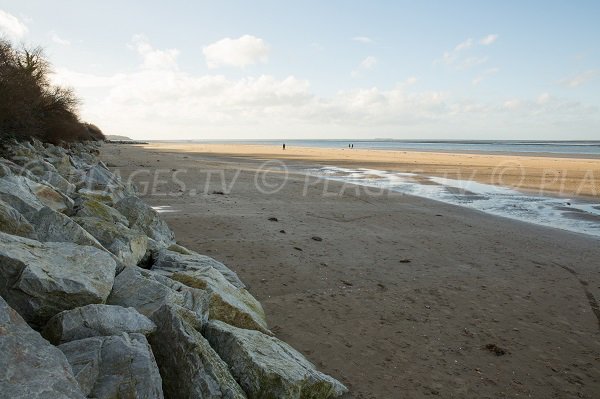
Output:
(154, 59)
(489, 39)
(581, 78)
(241, 52)
(164, 101)
(368, 63)
(484, 75)
(464, 45)
(11, 26)
(59, 40)
(362, 39)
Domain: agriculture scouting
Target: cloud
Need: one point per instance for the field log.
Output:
(581, 78)
(59, 40)
(241, 52)
(362, 39)
(489, 39)
(464, 45)
(457, 57)
(160, 100)
(484, 75)
(368, 63)
(11, 26)
(152, 58)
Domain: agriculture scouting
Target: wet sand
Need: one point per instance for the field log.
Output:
(577, 176)
(402, 297)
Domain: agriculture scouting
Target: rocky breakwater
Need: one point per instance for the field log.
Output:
(99, 301)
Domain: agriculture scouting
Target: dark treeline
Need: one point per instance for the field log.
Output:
(30, 106)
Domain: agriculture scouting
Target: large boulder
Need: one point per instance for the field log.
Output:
(12, 222)
(95, 320)
(180, 258)
(232, 305)
(118, 366)
(129, 246)
(29, 366)
(41, 280)
(147, 292)
(56, 180)
(85, 207)
(28, 196)
(15, 191)
(189, 366)
(266, 367)
(145, 219)
(56, 227)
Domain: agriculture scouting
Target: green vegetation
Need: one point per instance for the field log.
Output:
(32, 107)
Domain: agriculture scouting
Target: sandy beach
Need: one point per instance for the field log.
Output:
(558, 175)
(396, 296)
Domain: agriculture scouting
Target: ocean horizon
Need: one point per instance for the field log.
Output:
(567, 147)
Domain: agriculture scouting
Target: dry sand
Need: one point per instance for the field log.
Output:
(403, 294)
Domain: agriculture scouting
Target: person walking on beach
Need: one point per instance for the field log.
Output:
(284, 146)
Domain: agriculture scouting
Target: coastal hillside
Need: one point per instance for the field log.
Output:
(31, 106)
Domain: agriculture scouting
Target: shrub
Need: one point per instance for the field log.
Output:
(30, 106)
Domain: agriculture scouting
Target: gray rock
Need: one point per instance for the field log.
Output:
(178, 258)
(227, 303)
(57, 181)
(90, 208)
(41, 280)
(189, 366)
(56, 227)
(118, 366)
(95, 320)
(15, 191)
(31, 368)
(147, 292)
(266, 367)
(129, 246)
(145, 219)
(12, 222)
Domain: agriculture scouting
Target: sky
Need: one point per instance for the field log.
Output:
(323, 69)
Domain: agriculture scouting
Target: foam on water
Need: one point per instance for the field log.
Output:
(567, 214)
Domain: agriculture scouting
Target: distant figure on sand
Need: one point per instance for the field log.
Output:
(284, 146)
(352, 146)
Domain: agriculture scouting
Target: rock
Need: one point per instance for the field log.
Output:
(95, 320)
(266, 367)
(98, 177)
(127, 245)
(231, 305)
(60, 183)
(15, 191)
(56, 227)
(118, 366)
(189, 366)
(145, 219)
(12, 222)
(29, 366)
(41, 280)
(105, 197)
(64, 166)
(90, 208)
(147, 292)
(179, 258)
